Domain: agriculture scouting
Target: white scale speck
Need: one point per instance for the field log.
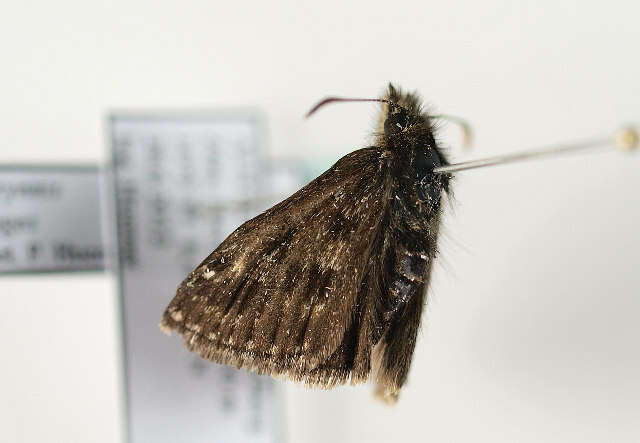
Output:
(208, 274)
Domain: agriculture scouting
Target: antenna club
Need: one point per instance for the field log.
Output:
(467, 135)
(467, 132)
(626, 139)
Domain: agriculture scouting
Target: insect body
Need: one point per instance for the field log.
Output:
(328, 286)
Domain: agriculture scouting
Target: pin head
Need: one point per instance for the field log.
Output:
(626, 139)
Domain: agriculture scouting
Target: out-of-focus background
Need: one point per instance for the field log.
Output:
(532, 325)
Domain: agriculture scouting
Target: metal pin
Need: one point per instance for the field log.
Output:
(624, 139)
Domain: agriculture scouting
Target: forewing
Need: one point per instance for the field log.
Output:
(279, 293)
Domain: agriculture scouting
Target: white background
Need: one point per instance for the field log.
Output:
(531, 333)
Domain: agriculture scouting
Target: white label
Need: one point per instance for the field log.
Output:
(50, 219)
(182, 184)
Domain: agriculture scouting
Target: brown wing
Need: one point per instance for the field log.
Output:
(287, 292)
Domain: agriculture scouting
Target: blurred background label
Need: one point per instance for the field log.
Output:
(183, 183)
(50, 219)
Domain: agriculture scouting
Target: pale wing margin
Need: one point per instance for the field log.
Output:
(279, 293)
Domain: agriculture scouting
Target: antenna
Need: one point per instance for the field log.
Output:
(467, 133)
(341, 99)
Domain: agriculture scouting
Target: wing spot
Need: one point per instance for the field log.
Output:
(195, 328)
(208, 273)
(177, 316)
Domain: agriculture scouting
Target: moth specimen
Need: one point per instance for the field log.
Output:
(329, 285)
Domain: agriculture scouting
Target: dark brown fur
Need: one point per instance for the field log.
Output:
(328, 285)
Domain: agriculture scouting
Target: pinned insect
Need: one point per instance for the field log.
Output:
(329, 285)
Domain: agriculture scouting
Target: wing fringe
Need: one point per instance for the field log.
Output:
(293, 368)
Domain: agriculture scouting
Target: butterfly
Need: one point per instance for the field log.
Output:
(329, 285)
